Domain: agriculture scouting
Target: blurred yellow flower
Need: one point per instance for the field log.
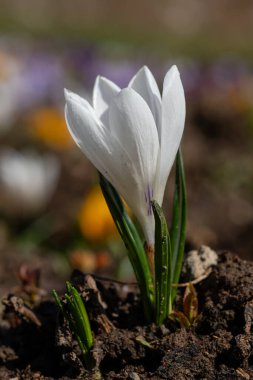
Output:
(48, 125)
(95, 220)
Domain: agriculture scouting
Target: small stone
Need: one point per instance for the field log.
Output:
(133, 376)
(164, 330)
(199, 261)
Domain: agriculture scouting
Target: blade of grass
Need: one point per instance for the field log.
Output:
(133, 243)
(162, 266)
(178, 228)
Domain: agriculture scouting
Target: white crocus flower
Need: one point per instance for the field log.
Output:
(132, 136)
(28, 179)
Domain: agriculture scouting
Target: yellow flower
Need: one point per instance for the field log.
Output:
(95, 220)
(48, 125)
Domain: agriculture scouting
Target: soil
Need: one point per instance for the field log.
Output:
(37, 344)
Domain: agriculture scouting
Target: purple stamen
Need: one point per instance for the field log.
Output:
(148, 199)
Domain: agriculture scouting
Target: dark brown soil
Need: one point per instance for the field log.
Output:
(36, 344)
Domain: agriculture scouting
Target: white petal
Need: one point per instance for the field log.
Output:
(69, 95)
(104, 92)
(88, 132)
(145, 84)
(132, 125)
(173, 120)
(125, 178)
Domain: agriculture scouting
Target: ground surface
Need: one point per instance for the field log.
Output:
(35, 344)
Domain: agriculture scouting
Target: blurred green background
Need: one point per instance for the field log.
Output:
(52, 212)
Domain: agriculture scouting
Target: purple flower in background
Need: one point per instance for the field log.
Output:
(41, 80)
(117, 71)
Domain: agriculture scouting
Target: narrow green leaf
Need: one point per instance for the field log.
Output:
(83, 320)
(162, 266)
(133, 243)
(58, 301)
(68, 287)
(178, 228)
(75, 313)
(77, 330)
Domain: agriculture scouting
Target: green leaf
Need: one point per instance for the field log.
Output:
(58, 301)
(133, 243)
(74, 312)
(162, 266)
(178, 228)
(82, 320)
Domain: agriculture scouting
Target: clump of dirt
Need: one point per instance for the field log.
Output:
(37, 344)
